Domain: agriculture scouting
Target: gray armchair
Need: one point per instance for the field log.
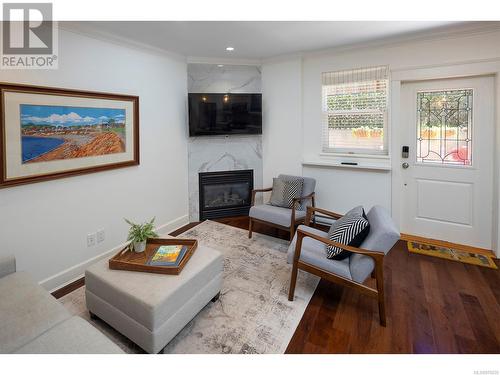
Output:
(283, 218)
(307, 252)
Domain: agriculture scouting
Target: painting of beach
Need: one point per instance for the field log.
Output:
(64, 132)
(49, 132)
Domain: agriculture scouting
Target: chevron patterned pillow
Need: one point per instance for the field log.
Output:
(293, 189)
(351, 229)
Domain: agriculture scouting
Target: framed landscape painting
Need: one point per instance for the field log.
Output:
(49, 133)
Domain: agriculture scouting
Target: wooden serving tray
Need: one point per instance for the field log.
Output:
(129, 260)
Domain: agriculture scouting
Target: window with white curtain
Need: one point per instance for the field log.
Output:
(355, 111)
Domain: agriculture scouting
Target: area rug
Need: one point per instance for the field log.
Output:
(252, 315)
(451, 254)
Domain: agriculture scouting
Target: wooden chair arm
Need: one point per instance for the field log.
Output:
(376, 255)
(262, 190)
(254, 191)
(299, 199)
(324, 212)
(312, 210)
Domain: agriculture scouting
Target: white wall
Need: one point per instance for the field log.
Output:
(45, 224)
(282, 125)
(339, 188)
(399, 57)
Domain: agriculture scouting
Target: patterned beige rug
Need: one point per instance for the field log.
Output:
(253, 314)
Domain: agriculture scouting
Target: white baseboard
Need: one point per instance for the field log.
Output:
(77, 271)
(173, 225)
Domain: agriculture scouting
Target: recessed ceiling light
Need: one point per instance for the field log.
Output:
(220, 66)
(229, 48)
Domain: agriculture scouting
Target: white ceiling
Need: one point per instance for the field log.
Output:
(256, 39)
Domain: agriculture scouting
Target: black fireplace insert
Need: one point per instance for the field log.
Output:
(225, 193)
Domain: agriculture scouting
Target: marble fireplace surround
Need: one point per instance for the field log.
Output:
(222, 153)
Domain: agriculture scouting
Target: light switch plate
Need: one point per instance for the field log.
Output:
(101, 235)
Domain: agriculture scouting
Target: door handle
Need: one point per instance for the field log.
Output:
(405, 165)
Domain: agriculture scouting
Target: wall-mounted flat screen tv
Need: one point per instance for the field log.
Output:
(225, 114)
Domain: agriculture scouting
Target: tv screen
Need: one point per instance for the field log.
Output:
(221, 114)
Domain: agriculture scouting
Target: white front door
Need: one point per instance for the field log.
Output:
(447, 183)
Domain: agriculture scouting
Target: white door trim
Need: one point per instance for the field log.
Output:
(443, 72)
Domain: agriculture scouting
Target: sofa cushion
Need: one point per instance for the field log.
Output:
(277, 215)
(26, 311)
(313, 252)
(73, 336)
(148, 298)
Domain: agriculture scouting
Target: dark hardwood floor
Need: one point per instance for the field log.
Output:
(433, 306)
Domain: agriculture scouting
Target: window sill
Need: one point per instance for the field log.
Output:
(338, 164)
(346, 155)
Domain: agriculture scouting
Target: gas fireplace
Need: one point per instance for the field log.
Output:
(225, 193)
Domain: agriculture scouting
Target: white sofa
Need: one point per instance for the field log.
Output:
(32, 321)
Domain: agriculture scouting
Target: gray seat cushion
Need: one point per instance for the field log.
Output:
(26, 311)
(307, 189)
(73, 336)
(151, 299)
(314, 252)
(361, 267)
(277, 215)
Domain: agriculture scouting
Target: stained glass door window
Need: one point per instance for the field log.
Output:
(444, 127)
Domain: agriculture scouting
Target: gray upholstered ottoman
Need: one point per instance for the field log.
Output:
(150, 309)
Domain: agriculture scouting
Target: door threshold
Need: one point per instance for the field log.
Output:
(431, 241)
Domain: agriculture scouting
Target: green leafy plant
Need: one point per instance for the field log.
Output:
(141, 232)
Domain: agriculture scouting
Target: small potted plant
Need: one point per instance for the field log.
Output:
(139, 233)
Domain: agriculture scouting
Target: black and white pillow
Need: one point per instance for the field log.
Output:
(285, 189)
(351, 229)
(293, 189)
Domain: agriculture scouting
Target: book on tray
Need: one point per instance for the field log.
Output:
(168, 255)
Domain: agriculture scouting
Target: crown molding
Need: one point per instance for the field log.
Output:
(81, 28)
(283, 58)
(449, 32)
(222, 60)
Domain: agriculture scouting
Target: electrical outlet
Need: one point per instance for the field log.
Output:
(91, 239)
(101, 235)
